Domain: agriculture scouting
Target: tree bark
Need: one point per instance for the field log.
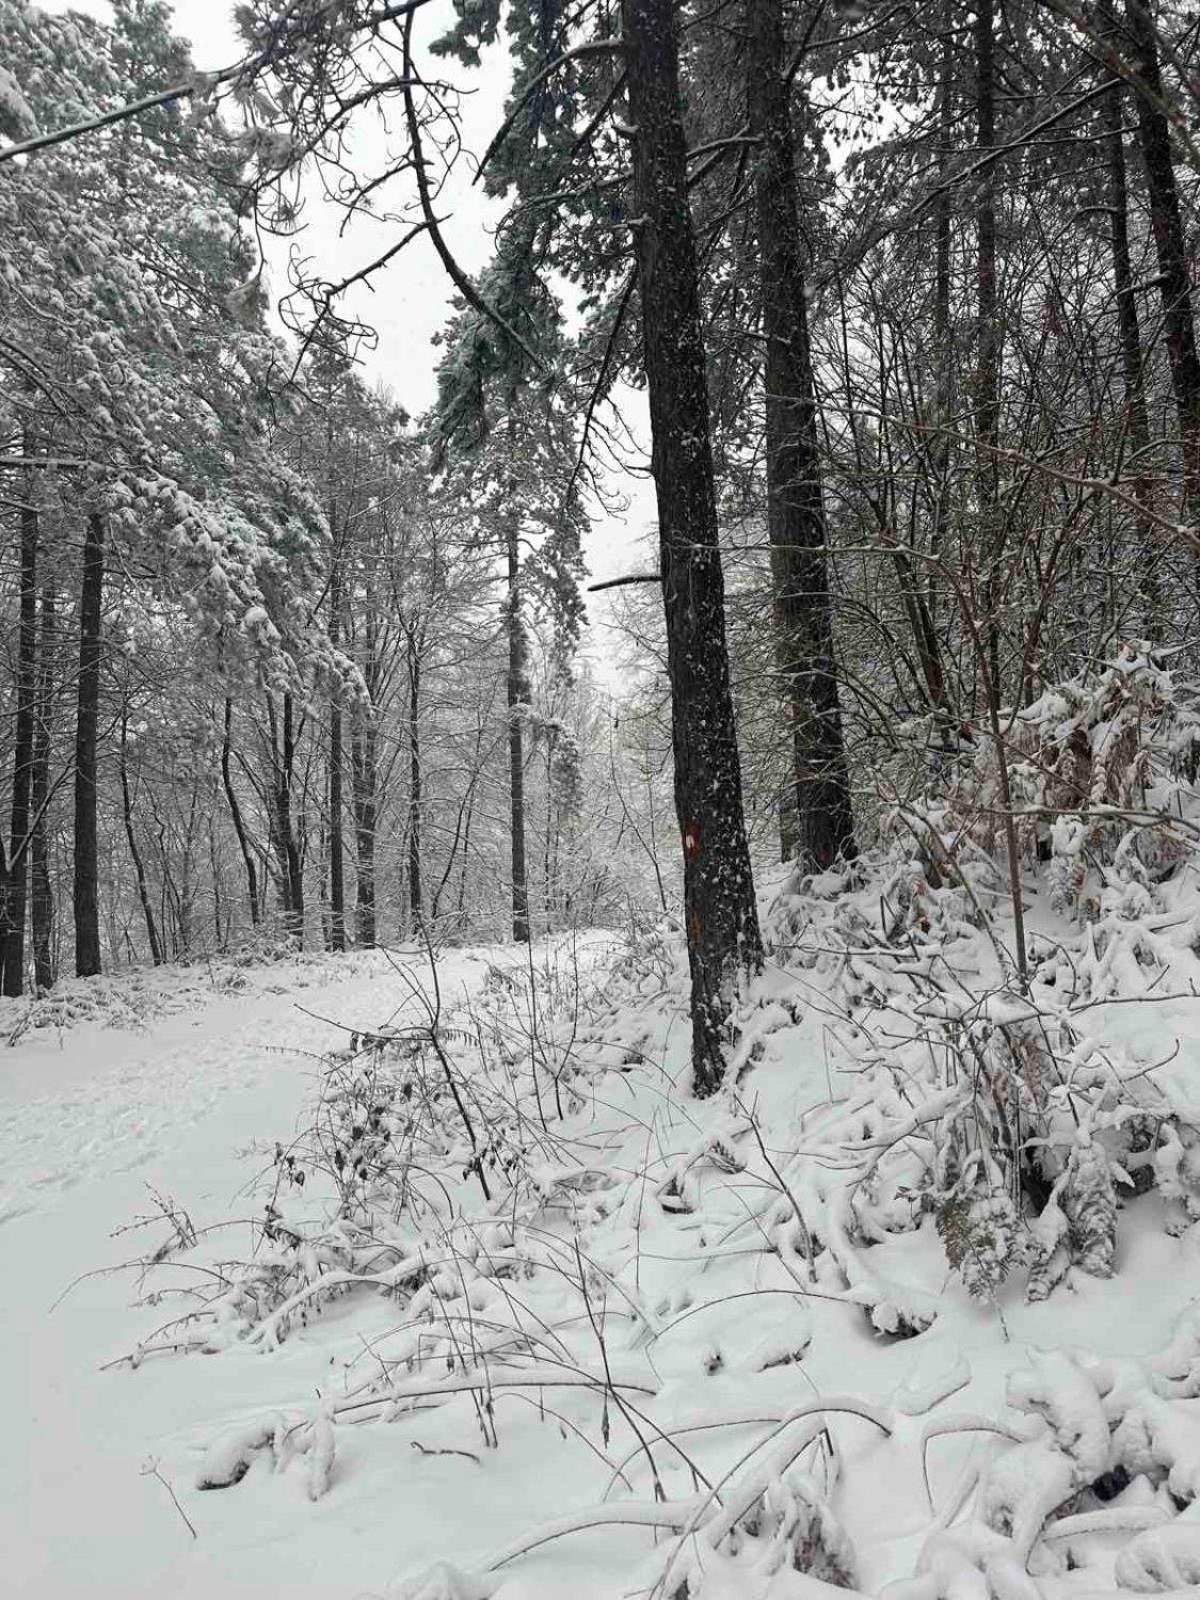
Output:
(337, 880)
(86, 895)
(18, 858)
(41, 907)
(235, 812)
(943, 337)
(287, 850)
(135, 855)
(364, 781)
(796, 524)
(987, 338)
(518, 696)
(1132, 369)
(721, 920)
(1154, 136)
(415, 899)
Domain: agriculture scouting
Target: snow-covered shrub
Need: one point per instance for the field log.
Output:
(1099, 773)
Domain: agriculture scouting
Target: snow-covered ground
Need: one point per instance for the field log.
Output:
(630, 1368)
(89, 1116)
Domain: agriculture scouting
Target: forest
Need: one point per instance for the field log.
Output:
(805, 912)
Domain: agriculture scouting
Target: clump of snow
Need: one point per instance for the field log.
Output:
(17, 120)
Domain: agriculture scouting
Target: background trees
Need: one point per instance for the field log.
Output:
(251, 634)
(913, 300)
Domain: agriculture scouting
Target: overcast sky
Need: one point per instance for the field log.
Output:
(409, 301)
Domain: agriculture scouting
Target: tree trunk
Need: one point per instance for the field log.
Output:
(86, 895)
(283, 832)
(18, 860)
(518, 696)
(923, 591)
(337, 880)
(364, 779)
(235, 812)
(987, 343)
(135, 855)
(943, 336)
(721, 920)
(415, 899)
(1154, 136)
(462, 826)
(41, 907)
(1133, 374)
(796, 525)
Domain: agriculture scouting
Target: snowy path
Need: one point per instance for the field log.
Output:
(85, 1124)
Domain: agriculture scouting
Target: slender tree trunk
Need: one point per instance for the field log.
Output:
(721, 920)
(461, 905)
(415, 898)
(1154, 135)
(26, 720)
(987, 343)
(920, 593)
(796, 522)
(221, 922)
(235, 812)
(337, 880)
(41, 908)
(289, 848)
(518, 696)
(943, 338)
(462, 826)
(547, 845)
(86, 896)
(1132, 369)
(364, 781)
(135, 855)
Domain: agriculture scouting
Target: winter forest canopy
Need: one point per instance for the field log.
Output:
(852, 817)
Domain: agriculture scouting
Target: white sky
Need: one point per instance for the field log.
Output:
(409, 301)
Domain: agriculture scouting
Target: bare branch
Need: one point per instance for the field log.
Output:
(458, 277)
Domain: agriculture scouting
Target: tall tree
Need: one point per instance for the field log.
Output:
(41, 898)
(23, 742)
(1166, 221)
(86, 887)
(1125, 289)
(723, 938)
(796, 525)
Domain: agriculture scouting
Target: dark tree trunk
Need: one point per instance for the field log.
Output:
(364, 781)
(287, 850)
(337, 878)
(943, 338)
(518, 696)
(987, 339)
(415, 898)
(135, 855)
(1154, 136)
(460, 908)
(921, 594)
(796, 525)
(41, 906)
(18, 858)
(86, 888)
(235, 812)
(1132, 370)
(724, 943)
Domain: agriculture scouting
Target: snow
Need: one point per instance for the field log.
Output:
(90, 1114)
(17, 120)
(696, 1341)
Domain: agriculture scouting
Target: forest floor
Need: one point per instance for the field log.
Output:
(632, 1370)
(181, 1081)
